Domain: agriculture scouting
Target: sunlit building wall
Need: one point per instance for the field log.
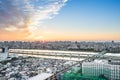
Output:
(95, 68)
(114, 70)
(109, 69)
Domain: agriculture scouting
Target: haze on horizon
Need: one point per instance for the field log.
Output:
(59, 20)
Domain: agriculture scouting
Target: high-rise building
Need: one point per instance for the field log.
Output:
(107, 68)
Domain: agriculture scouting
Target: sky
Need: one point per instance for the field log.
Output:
(53, 20)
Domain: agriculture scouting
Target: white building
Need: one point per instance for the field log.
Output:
(114, 70)
(109, 68)
(4, 53)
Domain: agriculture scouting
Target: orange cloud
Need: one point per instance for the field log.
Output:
(17, 35)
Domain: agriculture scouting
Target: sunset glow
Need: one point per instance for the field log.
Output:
(54, 20)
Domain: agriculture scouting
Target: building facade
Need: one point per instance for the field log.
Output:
(107, 68)
(4, 53)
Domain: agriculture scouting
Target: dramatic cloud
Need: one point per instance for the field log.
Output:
(27, 15)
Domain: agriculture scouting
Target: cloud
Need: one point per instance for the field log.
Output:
(27, 15)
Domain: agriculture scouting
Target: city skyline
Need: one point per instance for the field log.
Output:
(52, 20)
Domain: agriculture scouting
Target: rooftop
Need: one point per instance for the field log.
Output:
(41, 76)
